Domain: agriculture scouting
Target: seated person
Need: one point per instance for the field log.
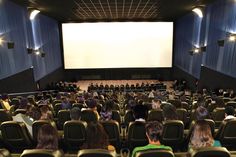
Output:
(201, 113)
(140, 113)
(229, 113)
(153, 132)
(75, 113)
(97, 138)
(32, 114)
(92, 105)
(47, 137)
(169, 112)
(202, 137)
(5, 102)
(156, 104)
(106, 113)
(65, 104)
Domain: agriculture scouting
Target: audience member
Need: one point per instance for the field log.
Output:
(75, 113)
(140, 112)
(169, 112)
(92, 105)
(97, 138)
(229, 113)
(106, 113)
(153, 132)
(202, 136)
(65, 104)
(5, 102)
(201, 113)
(46, 113)
(156, 104)
(47, 137)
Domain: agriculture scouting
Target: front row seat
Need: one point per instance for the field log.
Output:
(41, 153)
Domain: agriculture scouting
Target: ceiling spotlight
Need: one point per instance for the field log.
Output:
(33, 14)
(221, 42)
(198, 11)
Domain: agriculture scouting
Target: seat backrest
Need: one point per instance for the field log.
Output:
(89, 116)
(116, 116)
(4, 153)
(56, 108)
(41, 153)
(62, 117)
(96, 153)
(36, 126)
(155, 115)
(129, 117)
(137, 134)
(218, 114)
(22, 111)
(15, 135)
(112, 129)
(231, 103)
(182, 114)
(79, 105)
(210, 152)
(74, 134)
(4, 116)
(227, 133)
(155, 153)
(173, 132)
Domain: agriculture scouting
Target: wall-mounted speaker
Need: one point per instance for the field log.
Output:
(10, 45)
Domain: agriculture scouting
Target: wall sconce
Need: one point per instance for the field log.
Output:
(1, 41)
(33, 13)
(197, 50)
(203, 48)
(30, 50)
(198, 11)
(232, 37)
(37, 52)
(10, 45)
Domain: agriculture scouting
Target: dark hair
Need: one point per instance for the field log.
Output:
(5, 96)
(169, 112)
(91, 103)
(140, 111)
(97, 137)
(154, 130)
(46, 113)
(75, 113)
(229, 110)
(201, 113)
(34, 112)
(47, 137)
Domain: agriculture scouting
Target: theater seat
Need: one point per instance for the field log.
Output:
(155, 153)
(173, 133)
(74, 134)
(210, 152)
(36, 126)
(4, 153)
(15, 136)
(41, 153)
(4, 116)
(137, 134)
(63, 116)
(96, 153)
(155, 115)
(89, 116)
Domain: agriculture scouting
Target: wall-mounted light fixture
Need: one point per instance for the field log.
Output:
(37, 52)
(221, 42)
(232, 37)
(197, 50)
(10, 45)
(1, 41)
(198, 11)
(33, 13)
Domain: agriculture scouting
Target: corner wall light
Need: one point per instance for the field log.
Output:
(198, 11)
(33, 13)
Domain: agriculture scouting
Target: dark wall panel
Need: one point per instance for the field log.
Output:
(119, 74)
(211, 79)
(20, 82)
(56, 76)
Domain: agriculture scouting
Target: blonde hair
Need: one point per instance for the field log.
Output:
(201, 135)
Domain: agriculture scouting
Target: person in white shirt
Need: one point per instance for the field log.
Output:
(229, 113)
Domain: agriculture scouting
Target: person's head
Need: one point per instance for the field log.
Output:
(5, 97)
(34, 112)
(92, 104)
(46, 114)
(47, 137)
(97, 137)
(75, 113)
(140, 112)
(108, 105)
(229, 110)
(201, 135)
(153, 131)
(24, 103)
(169, 112)
(156, 103)
(201, 113)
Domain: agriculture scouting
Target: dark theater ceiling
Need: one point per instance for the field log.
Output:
(113, 10)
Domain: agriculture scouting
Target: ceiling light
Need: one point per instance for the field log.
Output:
(33, 14)
(198, 11)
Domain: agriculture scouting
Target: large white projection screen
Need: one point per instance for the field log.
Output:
(117, 45)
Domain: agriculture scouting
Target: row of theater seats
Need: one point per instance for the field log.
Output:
(203, 152)
(16, 137)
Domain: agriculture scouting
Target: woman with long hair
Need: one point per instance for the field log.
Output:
(97, 138)
(47, 137)
(202, 137)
